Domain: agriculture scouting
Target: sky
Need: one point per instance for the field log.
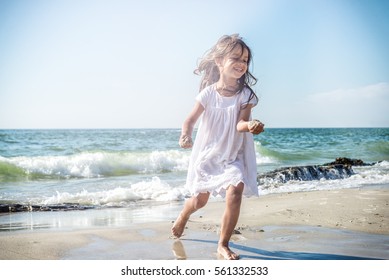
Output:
(129, 63)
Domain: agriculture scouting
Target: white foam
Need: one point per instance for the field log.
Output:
(97, 164)
(376, 175)
(154, 189)
(260, 155)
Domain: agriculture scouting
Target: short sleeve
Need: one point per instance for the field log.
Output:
(203, 96)
(246, 96)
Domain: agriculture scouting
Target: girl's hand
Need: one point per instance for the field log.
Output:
(185, 142)
(255, 127)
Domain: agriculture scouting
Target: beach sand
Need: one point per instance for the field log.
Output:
(334, 224)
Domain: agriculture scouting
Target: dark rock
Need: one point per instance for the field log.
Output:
(348, 161)
(339, 169)
(307, 173)
(6, 208)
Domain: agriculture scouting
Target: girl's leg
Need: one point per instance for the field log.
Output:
(229, 220)
(190, 206)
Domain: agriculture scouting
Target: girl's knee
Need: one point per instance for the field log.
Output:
(200, 200)
(235, 193)
(237, 190)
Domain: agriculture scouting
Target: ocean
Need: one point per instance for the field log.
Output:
(50, 170)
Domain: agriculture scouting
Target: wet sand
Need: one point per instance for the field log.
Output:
(336, 224)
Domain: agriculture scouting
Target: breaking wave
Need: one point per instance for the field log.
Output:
(92, 165)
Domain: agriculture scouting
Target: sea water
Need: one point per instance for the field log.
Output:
(127, 167)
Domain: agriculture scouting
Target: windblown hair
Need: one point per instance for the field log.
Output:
(209, 71)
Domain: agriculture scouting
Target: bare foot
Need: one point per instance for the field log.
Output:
(226, 253)
(179, 226)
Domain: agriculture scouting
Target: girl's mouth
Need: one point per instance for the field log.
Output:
(238, 69)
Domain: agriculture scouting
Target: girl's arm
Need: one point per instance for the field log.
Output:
(189, 123)
(243, 122)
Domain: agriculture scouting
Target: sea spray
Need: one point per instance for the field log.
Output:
(153, 190)
(92, 164)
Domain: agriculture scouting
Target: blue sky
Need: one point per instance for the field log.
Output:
(129, 64)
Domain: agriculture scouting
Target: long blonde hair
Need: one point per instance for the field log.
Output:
(209, 71)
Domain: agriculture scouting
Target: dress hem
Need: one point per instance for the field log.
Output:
(221, 191)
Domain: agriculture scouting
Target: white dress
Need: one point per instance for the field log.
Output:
(221, 155)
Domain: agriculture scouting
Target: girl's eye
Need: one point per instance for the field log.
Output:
(238, 59)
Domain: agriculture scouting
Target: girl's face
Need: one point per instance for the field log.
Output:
(235, 64)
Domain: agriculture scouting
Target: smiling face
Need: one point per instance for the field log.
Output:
(235, 64)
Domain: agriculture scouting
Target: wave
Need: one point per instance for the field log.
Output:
(266, 154)
(154, 189)
(92, 165)
(380, 147)
(10, 172)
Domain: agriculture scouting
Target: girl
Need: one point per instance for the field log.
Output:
(223, 156)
